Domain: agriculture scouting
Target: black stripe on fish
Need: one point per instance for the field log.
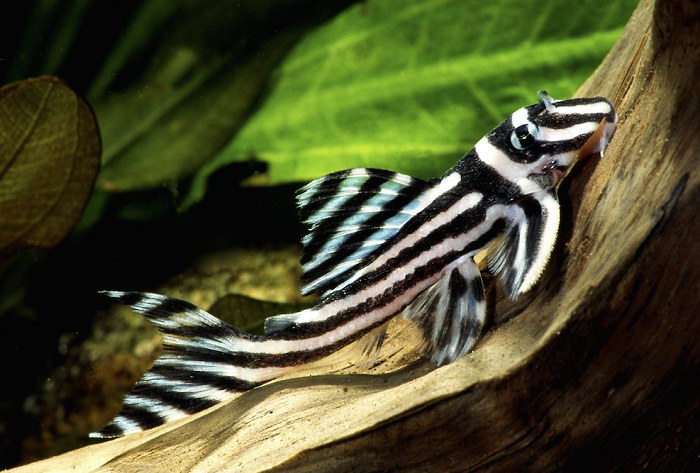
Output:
(558, 122)
(184, 374)
(144, 395)
(556, 147)
(478, 177)
(143, 419)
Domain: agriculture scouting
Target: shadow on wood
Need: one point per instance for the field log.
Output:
(598, 372)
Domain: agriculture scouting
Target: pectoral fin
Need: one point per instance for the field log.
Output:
(519, 256)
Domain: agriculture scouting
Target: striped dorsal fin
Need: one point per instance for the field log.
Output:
(519, 256)
(450, 313)
(351, 215)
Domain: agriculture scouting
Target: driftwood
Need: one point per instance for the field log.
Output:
(597, 372)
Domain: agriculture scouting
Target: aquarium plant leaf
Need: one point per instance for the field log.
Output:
(49, 157)
(211, 63)
(411, 86)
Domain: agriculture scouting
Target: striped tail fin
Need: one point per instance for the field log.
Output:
(200, 367)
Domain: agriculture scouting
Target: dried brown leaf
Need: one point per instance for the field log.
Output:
(49, 157)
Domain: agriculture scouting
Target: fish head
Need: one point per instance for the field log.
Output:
(538, 144)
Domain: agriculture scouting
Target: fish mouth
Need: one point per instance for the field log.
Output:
(559, 172)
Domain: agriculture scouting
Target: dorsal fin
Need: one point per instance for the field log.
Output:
(351, 215)
(520, 255)
(450, 313)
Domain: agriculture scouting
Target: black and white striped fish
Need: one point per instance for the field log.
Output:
(383, 244)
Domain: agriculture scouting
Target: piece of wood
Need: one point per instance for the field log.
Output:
(599, 371)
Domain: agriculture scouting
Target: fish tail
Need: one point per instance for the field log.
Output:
(203, 364)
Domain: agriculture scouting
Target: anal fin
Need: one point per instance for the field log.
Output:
(370, 345)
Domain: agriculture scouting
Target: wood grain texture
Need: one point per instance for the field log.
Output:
(597, 372)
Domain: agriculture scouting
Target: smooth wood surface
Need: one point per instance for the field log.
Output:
(597, 370)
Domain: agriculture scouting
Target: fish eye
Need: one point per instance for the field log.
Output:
(523, 136)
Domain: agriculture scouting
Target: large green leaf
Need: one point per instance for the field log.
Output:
(410, 86)
(212, 62)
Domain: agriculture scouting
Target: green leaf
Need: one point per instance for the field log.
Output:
(411, 86)
(49, 156)
(212, 63)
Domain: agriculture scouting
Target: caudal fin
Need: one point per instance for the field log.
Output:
(201, 366)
